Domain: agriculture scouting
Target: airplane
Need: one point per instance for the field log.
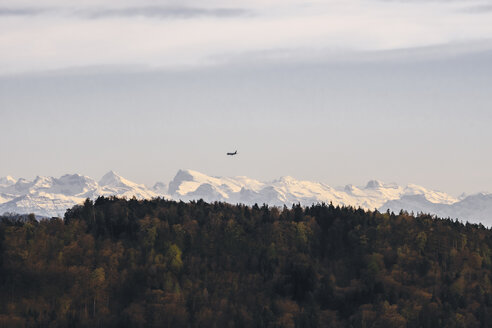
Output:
(232, 154)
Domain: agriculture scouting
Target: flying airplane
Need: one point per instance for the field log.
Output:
(232, 154)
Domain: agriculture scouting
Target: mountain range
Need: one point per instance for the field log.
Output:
(49, 196)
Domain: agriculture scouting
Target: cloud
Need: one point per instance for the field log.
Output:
(161, 12)
(208, 33)
(482, 9)
(21, 11)
(165, 12)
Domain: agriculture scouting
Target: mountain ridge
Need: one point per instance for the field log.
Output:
(49, 196)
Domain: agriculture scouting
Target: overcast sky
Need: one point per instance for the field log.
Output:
(333, 91)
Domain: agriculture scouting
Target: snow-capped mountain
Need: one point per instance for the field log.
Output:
(160, 188)
(113, 184)
(475, 208)
(48, 196)
(189, 184)
(7, 181)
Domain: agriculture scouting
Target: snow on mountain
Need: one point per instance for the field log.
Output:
(74, 185)
(46, 205)
(186, 182)
(432, 196)
(474, 208)
(7, 181)
(160, 188)
(113, 184)
(189, 184)
(69, 184)
(5, 198)
(48, 196)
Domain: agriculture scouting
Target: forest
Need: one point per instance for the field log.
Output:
(158, 263)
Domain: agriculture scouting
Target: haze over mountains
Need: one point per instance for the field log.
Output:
(49, 196)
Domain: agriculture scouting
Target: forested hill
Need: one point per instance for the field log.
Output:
(158, 263)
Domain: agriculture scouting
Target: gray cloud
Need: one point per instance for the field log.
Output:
(21, 11)
(478, 9)
(165, 12)
(149, 11)
(425, 1)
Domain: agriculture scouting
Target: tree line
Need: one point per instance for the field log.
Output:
(159, 263)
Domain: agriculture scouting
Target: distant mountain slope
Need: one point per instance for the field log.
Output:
(474, 208)
(189, 184)
(48, 196)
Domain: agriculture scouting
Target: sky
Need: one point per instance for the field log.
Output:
(332, 91)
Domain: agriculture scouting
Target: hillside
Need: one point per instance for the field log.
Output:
(159, 263)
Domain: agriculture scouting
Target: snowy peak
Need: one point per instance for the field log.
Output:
(188, 184)
(69, 184)
(111, 179)
(49, 196)
(286, 180)
(475, 208)
(7, 181)
(113, 184)
(181, 177)
(73, 185)
(374, 184)
(160, 188)
(430, 195)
